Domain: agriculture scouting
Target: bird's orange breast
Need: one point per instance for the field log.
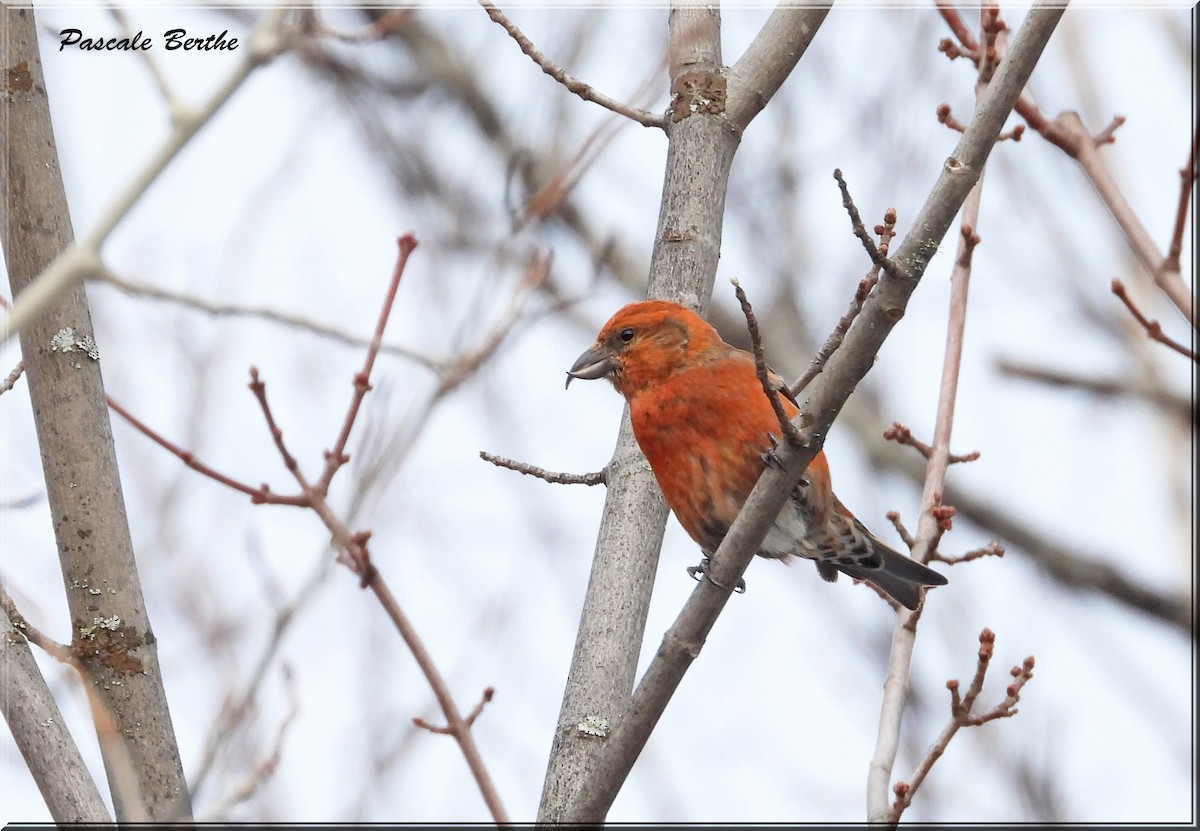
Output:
(704, 431)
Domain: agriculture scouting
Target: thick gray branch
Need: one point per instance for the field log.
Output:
(41, 735)
(828, 393)
(75, 438)
(683, 267)
(769, 60)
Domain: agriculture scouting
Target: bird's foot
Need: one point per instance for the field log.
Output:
(771, 459)
(768, 456)
(700, 572)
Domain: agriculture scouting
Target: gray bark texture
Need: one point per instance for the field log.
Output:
(704, 128)
(111, 632)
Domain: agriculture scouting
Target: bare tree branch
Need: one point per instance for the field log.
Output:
(1075, 569)
(76, 262)
(83, 484)
(352, 545)
(1066, 131)
(38, 728)
(1187, 180)
(760, 367)
(934, 517)
(1153, 327)
(541, 473)
(961, 716)
(106, 276)
(901, 434)
(684, 640)
(12, 377)
(769, 60)
(1179, 406)
(587, 93)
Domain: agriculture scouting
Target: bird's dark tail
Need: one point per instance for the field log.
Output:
(898, 576)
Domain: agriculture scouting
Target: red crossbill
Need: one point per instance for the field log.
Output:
(701, 417)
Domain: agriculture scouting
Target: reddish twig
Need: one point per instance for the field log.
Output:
(945, 116)
(993, 27)
(961, 716)
(1153, 327)
(12, 377)
(262, 495)
(992, 549)
(1067, 132)
(259, 388)
(337, 457)
(966, 251)
(1053, 130)
(905, 536)
(488, 694)
(886, 231)
(1187, 177)
(935, 518)
(959, 27)
(901, 434)
(770, 386)
(352, 545)
(541, 473)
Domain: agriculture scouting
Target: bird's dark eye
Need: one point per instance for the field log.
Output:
(626, 335)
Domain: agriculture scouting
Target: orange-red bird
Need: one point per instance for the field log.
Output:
(701, 417)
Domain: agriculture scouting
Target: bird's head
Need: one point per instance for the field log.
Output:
(645, 343)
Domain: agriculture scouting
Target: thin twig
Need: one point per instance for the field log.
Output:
(959, 27)
(1115, 387)
(905, 536)
(946, 117)
(1067, 132)
(82, 260)
(337, 457)
(265, 768)
(175, 107)
(839, 331)
(309, 22)
(587, 93)
(992, 549)
(1187, 178)
(262, 495)
(12, 377)
(353, 552)
(107, 276)
(886, 231)
(488, 694)
(769, 386)
(553, 478)
(352, 545)
(877, 257)
(961, 716)
(935, 518)
(901, 434)
(1153, 327)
